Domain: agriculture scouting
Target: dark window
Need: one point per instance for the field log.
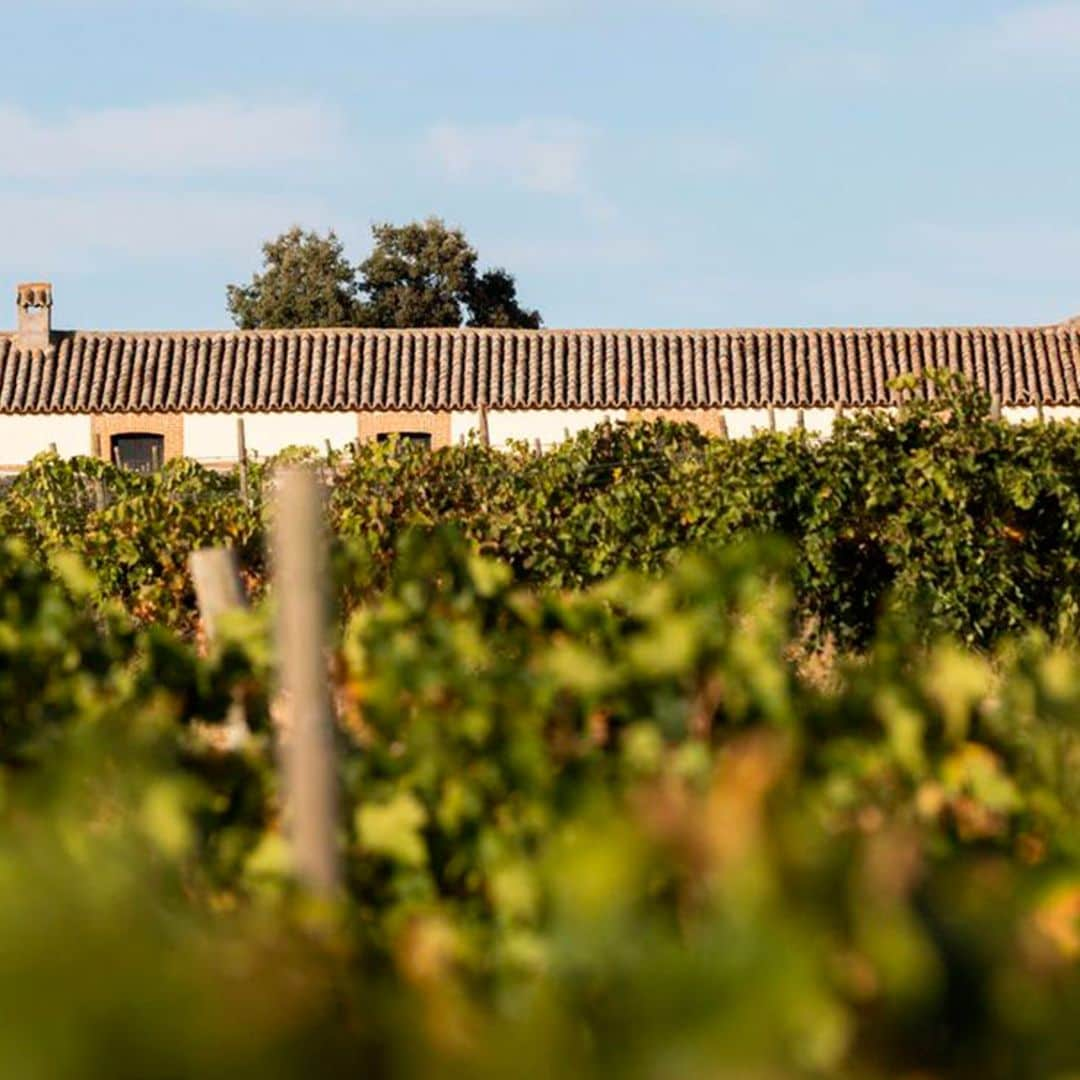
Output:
(139, 452)
(420, 438)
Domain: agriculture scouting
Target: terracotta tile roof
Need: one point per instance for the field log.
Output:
(461, 369)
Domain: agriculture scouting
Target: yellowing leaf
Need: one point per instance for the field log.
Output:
(393, 829)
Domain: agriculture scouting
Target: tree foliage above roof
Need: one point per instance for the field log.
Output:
(306, 281)
(423, 274)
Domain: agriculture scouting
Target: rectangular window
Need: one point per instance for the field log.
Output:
(419, 438)
(138, 452)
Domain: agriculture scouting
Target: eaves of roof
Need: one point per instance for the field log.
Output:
(358, 370)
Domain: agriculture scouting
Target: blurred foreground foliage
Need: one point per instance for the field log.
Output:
(617, 831)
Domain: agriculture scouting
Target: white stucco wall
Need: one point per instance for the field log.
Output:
(548, 425)
(21, 437)
(212, 436)
(1022, 414)
(744, 422)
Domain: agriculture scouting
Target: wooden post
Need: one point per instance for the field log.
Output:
(800, 420)
(1039, 413)
(772, 417)
(307, 750)
(721, 427)
(219, 589)
(242, 461)
(995, 406)
(101, 500)
(485, 433)
(53, 450)
(329, 450)
(539, 447)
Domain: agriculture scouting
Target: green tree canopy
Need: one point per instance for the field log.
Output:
(420, 274)
(306, 281)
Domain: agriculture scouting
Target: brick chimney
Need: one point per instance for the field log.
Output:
(34, 327)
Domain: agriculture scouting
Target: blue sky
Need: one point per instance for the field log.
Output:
(634, 163)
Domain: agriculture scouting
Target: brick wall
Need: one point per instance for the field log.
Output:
(169, 425)
(370, 425)
(711, 421)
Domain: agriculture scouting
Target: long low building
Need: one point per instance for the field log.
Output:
(144, 397)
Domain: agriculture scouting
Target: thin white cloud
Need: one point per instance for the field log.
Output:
(382, 8)
(209, 138)
(736, 9)
(1047, 29)
(1022, 251)
(699, 153)
(48, 234)
(948, 272)
(547, 157)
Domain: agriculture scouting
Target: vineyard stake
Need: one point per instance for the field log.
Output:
(307, 750)
(100, 497)
(219, 589)
(242, 458)
(215, 573)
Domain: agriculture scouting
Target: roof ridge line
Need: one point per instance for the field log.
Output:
(565, 332)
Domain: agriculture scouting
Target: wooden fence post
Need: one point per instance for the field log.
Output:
(721, 427)
(772, 416)
(218, 588)
(242, 460)
(995, 406)
(485, 433)
(215, 573)
(307, 742)
(800, 420)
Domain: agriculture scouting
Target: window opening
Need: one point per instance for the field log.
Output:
(419, 438)
(140, 452)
